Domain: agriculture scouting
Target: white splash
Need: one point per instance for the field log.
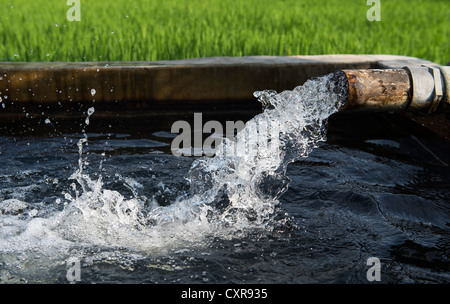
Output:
(231, 194)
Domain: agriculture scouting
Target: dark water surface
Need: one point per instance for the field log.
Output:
(376, 188)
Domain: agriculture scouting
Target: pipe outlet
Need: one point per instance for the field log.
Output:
(411, 88)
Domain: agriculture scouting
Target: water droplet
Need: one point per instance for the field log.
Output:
(91, 111)
(93, 92)
(47, 121)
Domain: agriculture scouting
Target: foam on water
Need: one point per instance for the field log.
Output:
(231, 194)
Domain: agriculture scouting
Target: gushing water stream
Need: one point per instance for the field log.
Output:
(232, 194)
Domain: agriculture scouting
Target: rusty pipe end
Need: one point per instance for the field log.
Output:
(378, 90)
(416, 88)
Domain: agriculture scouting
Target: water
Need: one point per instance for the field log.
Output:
(282, 213)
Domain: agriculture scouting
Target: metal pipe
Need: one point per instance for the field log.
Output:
(421, 88)
(445, 71)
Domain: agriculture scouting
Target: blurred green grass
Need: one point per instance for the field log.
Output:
(175, 29)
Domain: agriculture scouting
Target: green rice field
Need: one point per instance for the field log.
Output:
(123, 30)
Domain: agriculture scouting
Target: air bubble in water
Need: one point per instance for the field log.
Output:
(93, 91)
